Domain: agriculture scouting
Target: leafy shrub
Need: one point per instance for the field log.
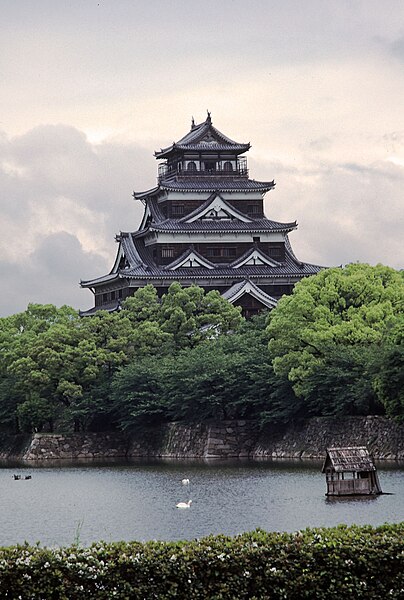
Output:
(358, 562)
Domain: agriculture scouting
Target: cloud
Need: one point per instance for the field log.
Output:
(397, 48)
(316, 87)
(50, 274)
(120, 66)
(56, 188)
(63, 199)
(346, 212)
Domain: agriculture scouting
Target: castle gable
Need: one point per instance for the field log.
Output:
(215, 209)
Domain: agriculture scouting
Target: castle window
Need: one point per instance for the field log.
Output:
(113, 295)
(178, 209)
(228, 166)
(218, 252)
(191, 166)
(104, 298)
(167, 252)
(256, 239)
(253, 209)
(210, 165)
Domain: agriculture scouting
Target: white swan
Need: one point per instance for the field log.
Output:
(184, 504)
(185, 481)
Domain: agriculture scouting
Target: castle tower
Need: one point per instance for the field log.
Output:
(204, 224)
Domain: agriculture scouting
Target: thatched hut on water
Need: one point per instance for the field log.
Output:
(350, 472)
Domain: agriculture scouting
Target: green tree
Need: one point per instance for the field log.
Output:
(327, 328)
(192, 316)
(344, 383)
(143, 306)
(139, 392)
(226, 377)
(20, 378)
(186, 316)
(52, 357)
(389, 372)
(35, 412)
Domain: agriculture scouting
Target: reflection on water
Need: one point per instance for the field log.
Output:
(136, 500)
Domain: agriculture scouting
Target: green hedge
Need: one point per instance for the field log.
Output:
(351, 562)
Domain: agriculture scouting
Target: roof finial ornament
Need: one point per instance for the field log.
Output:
(209, 119)
(192, 123)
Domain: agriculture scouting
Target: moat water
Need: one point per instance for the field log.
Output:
(137, 501)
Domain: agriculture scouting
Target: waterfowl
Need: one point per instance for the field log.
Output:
(184, 504)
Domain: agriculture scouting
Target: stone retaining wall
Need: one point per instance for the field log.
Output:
(309, 439)
(228, 439)
(75, 445)
(200, 440)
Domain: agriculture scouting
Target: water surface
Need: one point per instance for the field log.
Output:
(136, 501)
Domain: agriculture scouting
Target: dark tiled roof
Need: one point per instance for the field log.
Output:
(229, 226)
(131, 251)
(111, 307)
(142, 265)
(157, 215)
(216, 184)
(215, 146)
(234, 289)
(219, 273)
(289, 268)
(102, 279)
(194, 140)
(289, 249)
(207, 184)
(146, 194)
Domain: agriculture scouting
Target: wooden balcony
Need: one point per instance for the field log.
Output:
(165, 173)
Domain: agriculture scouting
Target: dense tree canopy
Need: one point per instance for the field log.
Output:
(183, 318)
(227, 377)
(56, 367)
(334, 347)
(389, 377)
(328, 336)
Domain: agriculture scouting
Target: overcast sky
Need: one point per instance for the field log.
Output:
(91, 88)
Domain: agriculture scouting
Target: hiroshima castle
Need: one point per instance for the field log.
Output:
(204, 224)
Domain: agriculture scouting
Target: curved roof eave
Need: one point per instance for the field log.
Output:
(217, 227)
(142, 195)
(98, 280)
(286, 269)
(215, 185)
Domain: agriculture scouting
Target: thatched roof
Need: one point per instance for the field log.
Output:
(349, 459)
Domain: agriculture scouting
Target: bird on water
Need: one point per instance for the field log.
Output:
(184, 504)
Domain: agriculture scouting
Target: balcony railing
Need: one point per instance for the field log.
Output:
(165, 172)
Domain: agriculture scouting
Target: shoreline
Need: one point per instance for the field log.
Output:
(239, 439)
